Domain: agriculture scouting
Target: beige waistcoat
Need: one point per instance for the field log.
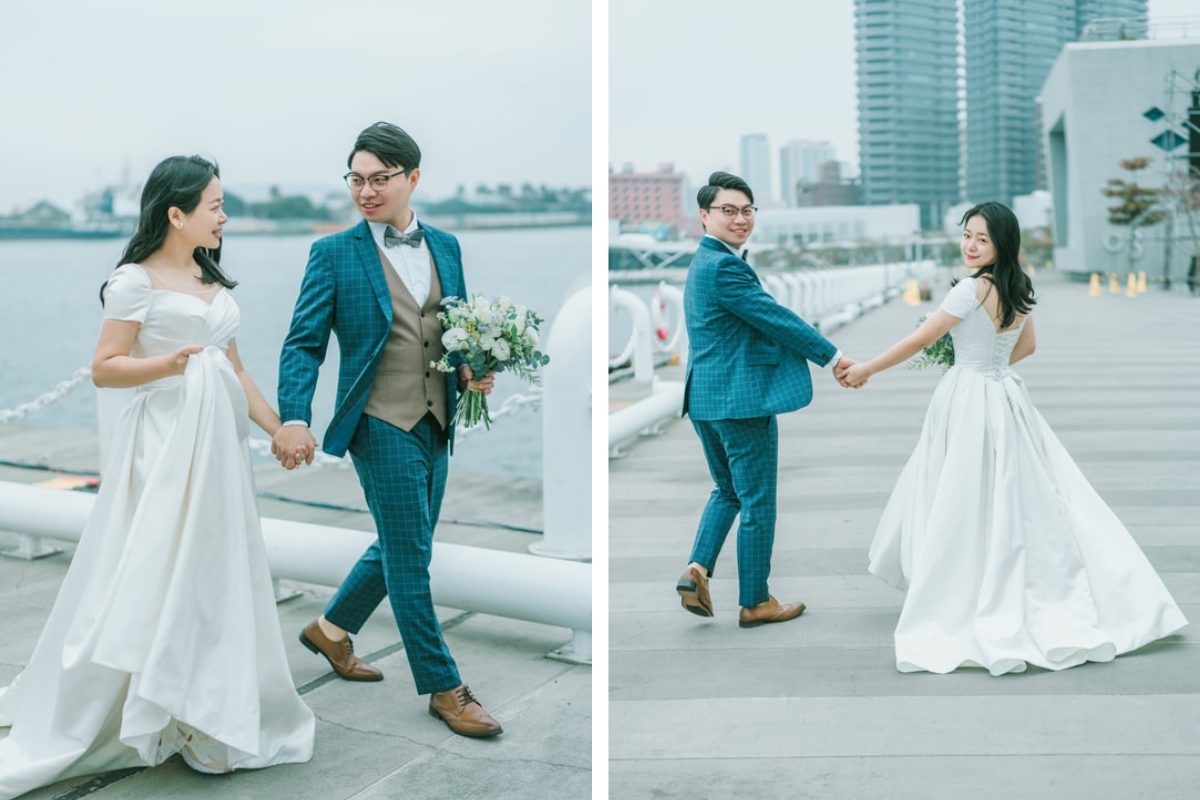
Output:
(406, 388)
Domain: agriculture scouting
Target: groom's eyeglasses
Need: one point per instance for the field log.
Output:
(731, 212)
(378, 182)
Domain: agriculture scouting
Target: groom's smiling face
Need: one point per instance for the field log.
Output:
(389, 204)
(733, 231)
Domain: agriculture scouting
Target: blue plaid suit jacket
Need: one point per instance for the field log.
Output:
(746, 351)
(344, 292)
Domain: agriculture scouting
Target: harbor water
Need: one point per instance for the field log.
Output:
(50, 316)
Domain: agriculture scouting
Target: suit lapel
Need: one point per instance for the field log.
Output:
(368, 254)
(441, 262)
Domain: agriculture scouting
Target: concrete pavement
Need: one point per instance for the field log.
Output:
(814, 708)
(374, 740)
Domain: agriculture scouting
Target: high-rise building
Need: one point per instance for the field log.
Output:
(1009, 47)
(801, 160)
(908, 103)
(756, 164)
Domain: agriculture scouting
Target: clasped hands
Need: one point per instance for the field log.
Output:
(293, 445)
(850, 374)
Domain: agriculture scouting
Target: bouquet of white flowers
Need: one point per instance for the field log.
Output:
(488, 335)
(940, 353)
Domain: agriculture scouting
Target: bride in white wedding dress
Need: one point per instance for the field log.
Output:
(1008, 555)
(164, 638)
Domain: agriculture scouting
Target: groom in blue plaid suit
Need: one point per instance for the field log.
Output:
(378, 287)
(748, 361)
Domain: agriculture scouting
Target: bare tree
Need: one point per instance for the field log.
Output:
(1139, 206)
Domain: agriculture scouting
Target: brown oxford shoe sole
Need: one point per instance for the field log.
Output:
(754, 623)
(373, 675)
(689, 593)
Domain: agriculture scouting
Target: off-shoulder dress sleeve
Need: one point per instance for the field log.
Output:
(127, 295)
(961, 299)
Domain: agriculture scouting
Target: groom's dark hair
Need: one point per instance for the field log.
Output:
(390, 144)
(718, 181)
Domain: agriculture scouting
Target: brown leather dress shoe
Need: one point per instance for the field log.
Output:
(693, 591)
(770, 611)
(459, 709)
(339, 654)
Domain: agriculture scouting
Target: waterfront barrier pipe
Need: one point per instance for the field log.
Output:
(670, 301)
(777, 289)
(543, 590)
(643, 346)
(567, 434)
(666, 402)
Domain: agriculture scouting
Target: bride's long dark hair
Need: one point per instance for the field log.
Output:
(177, 182)
(1014, 289)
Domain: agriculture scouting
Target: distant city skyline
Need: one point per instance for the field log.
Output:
(800, 160)
(277, 91)
(685, 85)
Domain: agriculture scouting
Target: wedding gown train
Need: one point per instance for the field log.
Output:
(1008, 555)
(164, 633)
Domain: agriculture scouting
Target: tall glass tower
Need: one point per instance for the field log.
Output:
(907, 103)
(1009, 48)
(755, 157)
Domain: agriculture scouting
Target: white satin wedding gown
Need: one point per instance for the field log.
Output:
(164, 633)
(1008, 555)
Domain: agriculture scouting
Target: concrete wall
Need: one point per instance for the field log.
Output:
(1092, 106)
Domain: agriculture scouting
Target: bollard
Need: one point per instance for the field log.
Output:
(567, 434)
(1094, 285)
(1114, 287)
(912, 294)
(1132, 290)
(1141, 281)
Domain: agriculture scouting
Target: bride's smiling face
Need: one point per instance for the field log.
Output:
(977, 248)
(202, 227)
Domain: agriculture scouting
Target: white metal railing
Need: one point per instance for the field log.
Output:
(666, 314)
(640, 347)
(550, 587)
(544, 590)
(827, 298)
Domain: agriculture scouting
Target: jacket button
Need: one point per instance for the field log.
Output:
(426, 374)
(426, 344)
(429, 402)
(422, 313)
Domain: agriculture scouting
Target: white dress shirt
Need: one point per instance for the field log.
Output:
(412, 264)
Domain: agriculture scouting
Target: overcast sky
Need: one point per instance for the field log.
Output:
(686, 80)
(277, 91)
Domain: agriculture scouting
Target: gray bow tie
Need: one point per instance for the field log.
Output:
(393, 237)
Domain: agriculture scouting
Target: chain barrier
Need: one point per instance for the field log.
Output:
(53, 396)
(513, 404)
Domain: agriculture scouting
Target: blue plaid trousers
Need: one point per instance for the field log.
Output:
(403, 475)
(743, 459)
